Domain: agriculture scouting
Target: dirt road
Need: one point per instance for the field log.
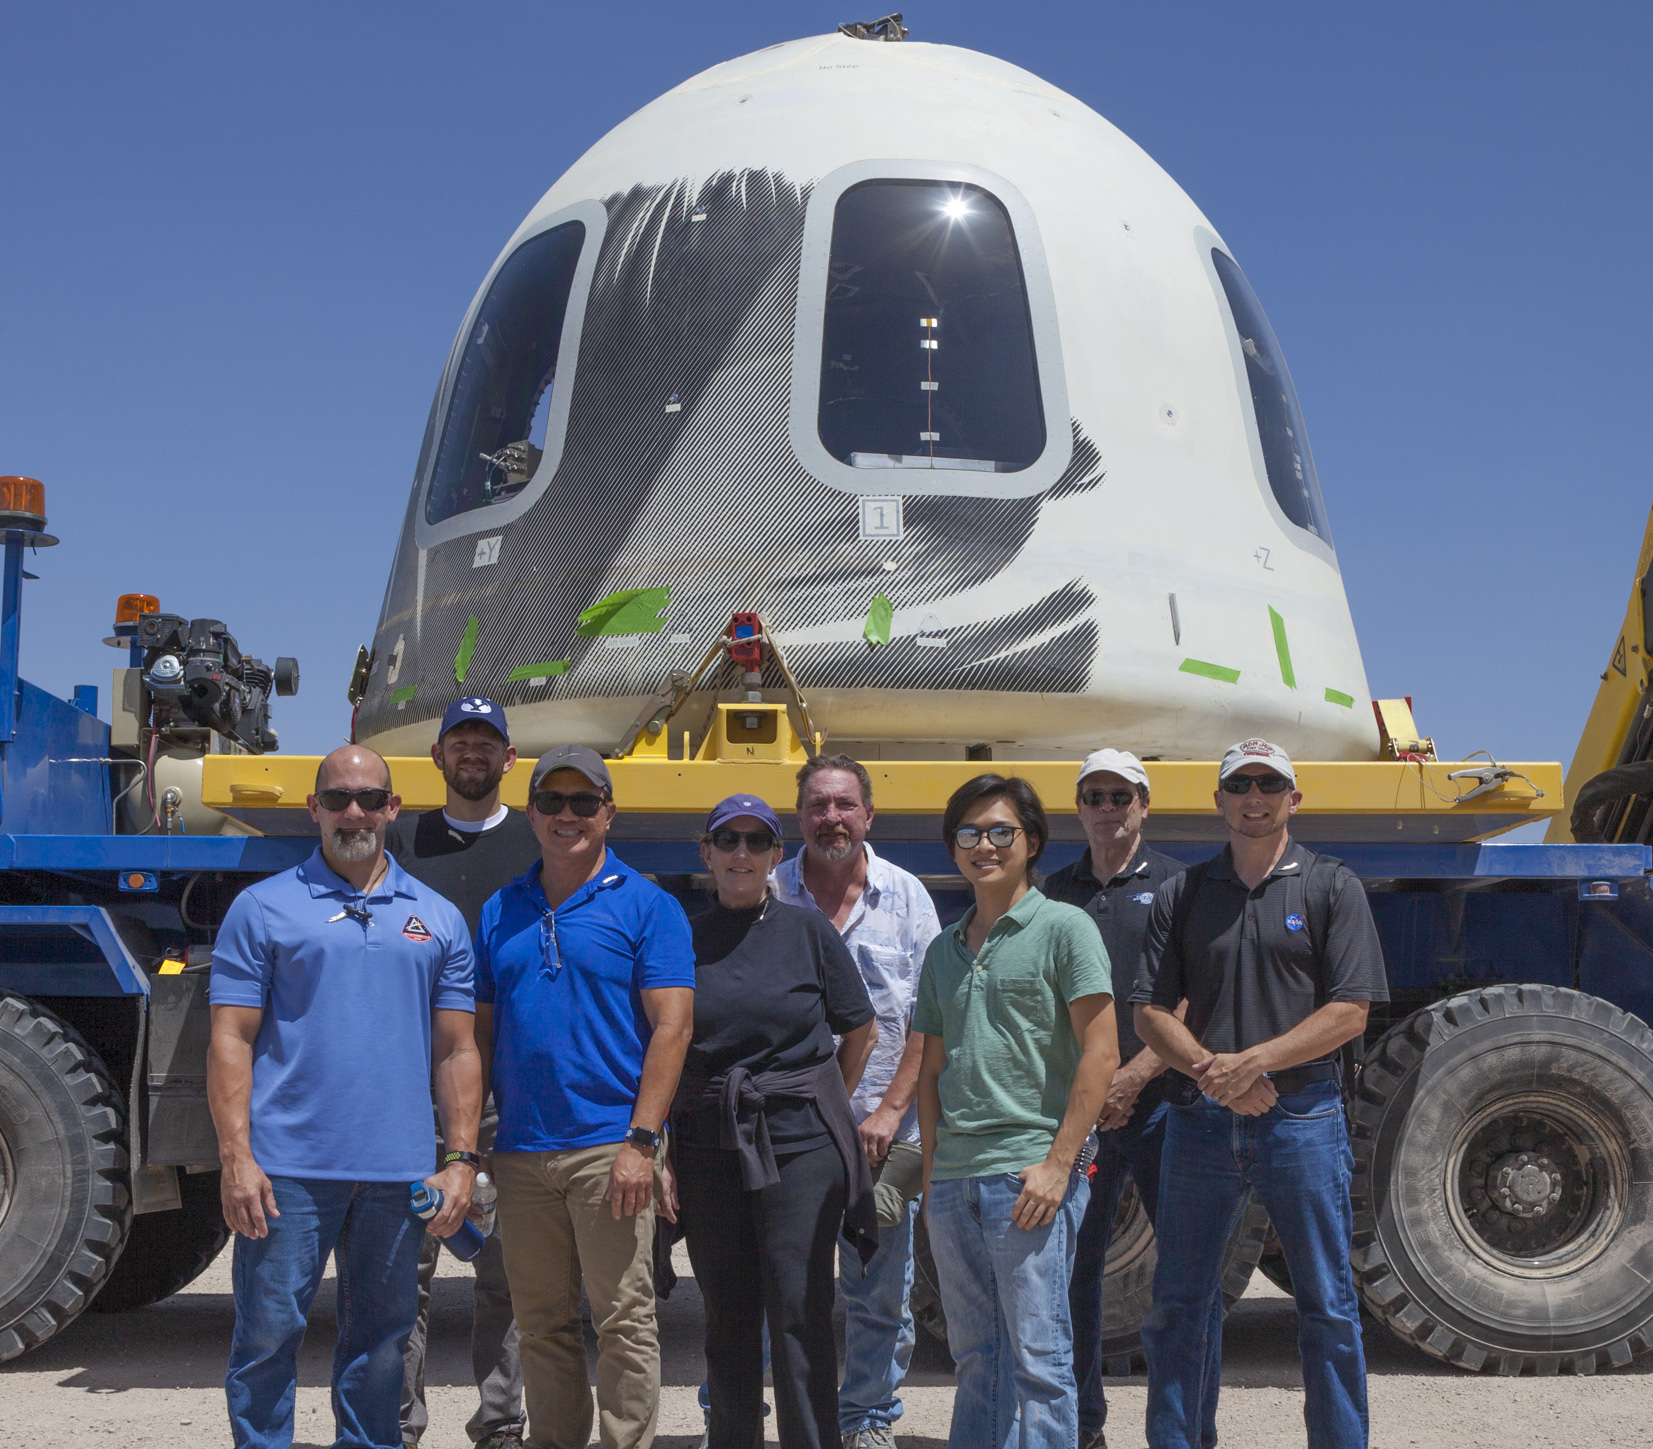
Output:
(155, 1378)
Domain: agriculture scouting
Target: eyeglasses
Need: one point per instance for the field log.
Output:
(1269, 784)
(757, 841)
(550, 951)
(337, 800)
(1119, 799)
(968, 837)
(551, 802)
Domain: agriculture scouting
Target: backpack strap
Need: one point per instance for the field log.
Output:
(1317, 899)
(1192, 878)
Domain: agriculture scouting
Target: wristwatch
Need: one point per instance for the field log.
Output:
(470, 1159)
(642, 1139)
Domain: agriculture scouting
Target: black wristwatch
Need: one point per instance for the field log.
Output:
(470, 1159)
(642, 1139)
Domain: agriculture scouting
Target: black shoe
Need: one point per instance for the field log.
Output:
(502, 1439)
(1092, 1439)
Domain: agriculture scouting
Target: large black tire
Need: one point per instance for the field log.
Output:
(65, 1207)
(167, 1251)
(1503, 1189)
(1127, 1282)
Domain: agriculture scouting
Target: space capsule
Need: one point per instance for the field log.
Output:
(920, 359)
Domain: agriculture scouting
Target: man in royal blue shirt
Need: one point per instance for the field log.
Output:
(585, 1003)
(341, 993)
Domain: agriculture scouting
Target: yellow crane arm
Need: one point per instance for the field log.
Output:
(1613, 735)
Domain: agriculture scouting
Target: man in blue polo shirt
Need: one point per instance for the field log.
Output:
(585, 1005)
(341, 992)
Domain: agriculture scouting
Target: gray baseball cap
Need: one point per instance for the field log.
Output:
(1116, 762)
(572, 757)
(1256, 752)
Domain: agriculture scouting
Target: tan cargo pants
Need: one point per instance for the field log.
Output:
(558, 1230)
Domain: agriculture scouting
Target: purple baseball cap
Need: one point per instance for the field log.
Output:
(736, 805)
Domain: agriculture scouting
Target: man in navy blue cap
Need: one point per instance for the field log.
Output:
(585, 984)
(466, 851)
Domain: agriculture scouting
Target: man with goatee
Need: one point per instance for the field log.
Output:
(467, 850)
(342, 997)
(887, 920)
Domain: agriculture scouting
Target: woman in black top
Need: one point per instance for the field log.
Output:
(767, 1162)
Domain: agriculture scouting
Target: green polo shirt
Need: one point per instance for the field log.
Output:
(1003, 1018)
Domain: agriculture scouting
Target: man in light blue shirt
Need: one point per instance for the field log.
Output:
(887, 920)
(341, 995)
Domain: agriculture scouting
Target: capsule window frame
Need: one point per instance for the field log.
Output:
(492, 517)
(809, 329)
(1208, 241)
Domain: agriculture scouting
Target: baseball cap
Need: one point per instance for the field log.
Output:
(474, 707)
(736, 805)
(1256, 752)
(572, 757)
(1119, 762)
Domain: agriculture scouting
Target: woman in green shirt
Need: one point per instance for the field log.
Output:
(1015, 1002)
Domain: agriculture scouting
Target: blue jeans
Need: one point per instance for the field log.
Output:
(1134, 1149)
(1296, 1156)
(878, 1327)
(1005, 1293)
(377, 1241)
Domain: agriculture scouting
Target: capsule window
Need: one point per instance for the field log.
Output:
(927, 344)
(1285, 443)
(495, 435)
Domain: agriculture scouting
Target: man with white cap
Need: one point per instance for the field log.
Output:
(1274, 950)
(1114, 883)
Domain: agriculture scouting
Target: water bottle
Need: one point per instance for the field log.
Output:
(424, 1202)
(486, 1196)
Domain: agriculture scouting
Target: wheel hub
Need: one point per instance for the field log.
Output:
(1527, 1180)
(1527, 1184)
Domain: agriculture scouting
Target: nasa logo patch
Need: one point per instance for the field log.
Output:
(1144, 898)
(1295, 922)
(416, 930)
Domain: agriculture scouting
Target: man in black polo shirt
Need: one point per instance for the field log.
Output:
(1114, 883)
(1274, 949)
(466, 851)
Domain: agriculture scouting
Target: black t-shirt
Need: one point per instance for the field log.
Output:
(1120, 909)
(771, 986)
(466, 866)
(1247, 962)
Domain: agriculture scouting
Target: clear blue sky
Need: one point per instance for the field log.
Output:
(236, 242)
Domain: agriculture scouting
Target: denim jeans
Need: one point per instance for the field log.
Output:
(1005, 1293)
(1296, 1156)
(376, 1241)
(878, 1327)
(1133, 1149)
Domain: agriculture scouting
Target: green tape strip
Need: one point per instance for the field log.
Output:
(880, 614)
(1337, 696)
(630, 611)
(538, 671)
(467, 647)
(402, 696)
(1210, 671)
(1282, 649)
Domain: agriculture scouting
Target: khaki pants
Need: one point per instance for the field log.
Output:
(557, 1229)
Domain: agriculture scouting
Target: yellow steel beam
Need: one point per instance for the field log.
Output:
(241, 784)
(1623, 682)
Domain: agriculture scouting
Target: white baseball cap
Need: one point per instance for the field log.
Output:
(1256, 752)
(1119, 762)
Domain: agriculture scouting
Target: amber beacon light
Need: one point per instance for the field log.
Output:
(22, 503)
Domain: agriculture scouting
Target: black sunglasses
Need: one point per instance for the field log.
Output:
(551, 802)
(1119, 799)
(369, 800)
(968, 837)
(757, 841)
(1270, 784)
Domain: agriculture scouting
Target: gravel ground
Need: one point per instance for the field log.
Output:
(155, 1377)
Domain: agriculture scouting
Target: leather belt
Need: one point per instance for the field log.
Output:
(1183, 1092)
